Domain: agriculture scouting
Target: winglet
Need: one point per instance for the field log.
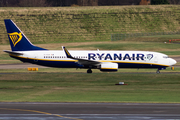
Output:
(67, 52)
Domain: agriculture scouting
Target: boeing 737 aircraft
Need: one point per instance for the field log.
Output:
(24, 50)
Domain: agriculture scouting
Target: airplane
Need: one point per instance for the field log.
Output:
(104, 60)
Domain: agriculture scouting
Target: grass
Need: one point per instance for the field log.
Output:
(143, 46)
(96, 87)
(84, 24)
(152, 38)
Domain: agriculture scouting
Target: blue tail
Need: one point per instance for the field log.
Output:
(18, 41)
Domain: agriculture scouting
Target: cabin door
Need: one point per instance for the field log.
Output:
(35, 57)
(156, 59)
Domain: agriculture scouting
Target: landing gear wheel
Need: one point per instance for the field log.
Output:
(157, 71)
(89, 71)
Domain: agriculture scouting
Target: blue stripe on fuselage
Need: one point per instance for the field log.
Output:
(73, 64)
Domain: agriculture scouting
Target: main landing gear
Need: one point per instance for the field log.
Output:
(89, 71)
(158, 71)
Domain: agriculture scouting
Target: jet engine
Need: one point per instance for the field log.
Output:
(109, 67)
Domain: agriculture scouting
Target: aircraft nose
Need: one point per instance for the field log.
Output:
(172, 62)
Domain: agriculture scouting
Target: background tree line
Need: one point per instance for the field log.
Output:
(55, 3)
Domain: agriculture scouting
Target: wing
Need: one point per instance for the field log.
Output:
(81, 61)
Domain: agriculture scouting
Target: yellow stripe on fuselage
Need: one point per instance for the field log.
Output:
(135, 63)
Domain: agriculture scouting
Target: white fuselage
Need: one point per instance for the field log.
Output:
(129, 59)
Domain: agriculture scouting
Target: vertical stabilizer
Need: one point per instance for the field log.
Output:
(18, 41)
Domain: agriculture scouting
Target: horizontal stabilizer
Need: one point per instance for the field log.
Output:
(14, 53)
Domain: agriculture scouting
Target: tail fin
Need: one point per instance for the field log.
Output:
(18, 41)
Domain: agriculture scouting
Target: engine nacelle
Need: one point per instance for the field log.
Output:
(109, 67)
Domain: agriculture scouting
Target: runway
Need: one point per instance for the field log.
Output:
(20, 66)
(89, 111)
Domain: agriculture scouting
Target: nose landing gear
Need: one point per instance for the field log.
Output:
(158, 71)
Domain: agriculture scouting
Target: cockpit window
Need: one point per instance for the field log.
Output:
(165, 57)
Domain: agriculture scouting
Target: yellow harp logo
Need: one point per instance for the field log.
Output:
(15, 37)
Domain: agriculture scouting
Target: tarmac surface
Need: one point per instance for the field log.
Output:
(89, 111)
(20, 66)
